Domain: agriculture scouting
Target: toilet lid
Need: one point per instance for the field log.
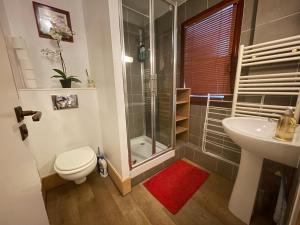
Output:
(74, 159)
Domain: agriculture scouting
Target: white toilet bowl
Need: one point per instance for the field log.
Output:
(76, 164)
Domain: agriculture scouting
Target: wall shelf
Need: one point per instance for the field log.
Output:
(181, 102)
(180, 130)
(180, 118)
(182, 113)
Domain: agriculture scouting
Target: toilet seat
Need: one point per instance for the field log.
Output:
(75, 160)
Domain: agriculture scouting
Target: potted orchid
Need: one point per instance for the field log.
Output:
(57, 32)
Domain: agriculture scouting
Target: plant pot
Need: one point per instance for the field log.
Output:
(66, 83)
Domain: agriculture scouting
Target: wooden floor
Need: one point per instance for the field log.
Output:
(98, 202)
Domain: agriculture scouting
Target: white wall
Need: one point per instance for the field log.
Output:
(21, 21)
(60, 130)
(104, 48)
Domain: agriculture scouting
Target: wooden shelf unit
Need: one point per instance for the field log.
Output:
(182, 113)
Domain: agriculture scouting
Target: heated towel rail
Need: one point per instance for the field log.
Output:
(267, 85)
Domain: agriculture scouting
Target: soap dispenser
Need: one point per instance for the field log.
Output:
(286, 126)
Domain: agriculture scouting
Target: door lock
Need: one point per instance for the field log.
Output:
(24, 131)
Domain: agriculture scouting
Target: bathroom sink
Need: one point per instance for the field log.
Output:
(255, 137)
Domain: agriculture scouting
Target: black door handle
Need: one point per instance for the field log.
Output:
(20, 114)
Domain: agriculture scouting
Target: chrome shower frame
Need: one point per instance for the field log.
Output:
(153, 76)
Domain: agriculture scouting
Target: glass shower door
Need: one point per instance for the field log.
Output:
(163, 70)
(148, 34)
(136, 36)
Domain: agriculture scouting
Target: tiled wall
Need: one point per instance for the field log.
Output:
(274, 19)
(193, 150)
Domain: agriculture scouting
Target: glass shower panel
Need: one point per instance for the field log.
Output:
(137, 63)
(164, 52)
(148, 65)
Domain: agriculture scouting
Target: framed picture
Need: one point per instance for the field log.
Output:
(44, 14)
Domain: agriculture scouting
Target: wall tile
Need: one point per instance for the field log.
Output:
(282, 28)
(138, 124)
(249, 10)
(270, 10)
(225, 169)
(205, 161)
(211, 3)
(189, 154)
(195, 139)
(169, 162)
(193, 7)
(136, 84)
(154, 170)
(138, 179)
(195, 125)
(180, 150)
(233, 156)
(181, 15)
(245, 38)
(196, 110)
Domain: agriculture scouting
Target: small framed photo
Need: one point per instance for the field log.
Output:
(43, 16)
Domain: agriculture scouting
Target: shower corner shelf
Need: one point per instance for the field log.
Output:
(182, 113)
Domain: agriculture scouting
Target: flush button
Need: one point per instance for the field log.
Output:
(23, 131)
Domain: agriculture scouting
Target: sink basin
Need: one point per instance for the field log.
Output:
(255, 137)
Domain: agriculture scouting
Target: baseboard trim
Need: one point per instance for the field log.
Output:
(124, 186)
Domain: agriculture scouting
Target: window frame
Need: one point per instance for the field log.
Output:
(235, 46)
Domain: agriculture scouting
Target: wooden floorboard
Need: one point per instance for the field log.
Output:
(98, 202)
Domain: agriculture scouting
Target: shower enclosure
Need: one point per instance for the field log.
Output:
(149, 68)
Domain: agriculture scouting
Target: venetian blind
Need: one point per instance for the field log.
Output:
(207, 52)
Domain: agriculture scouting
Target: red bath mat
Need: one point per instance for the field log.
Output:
(176, 184)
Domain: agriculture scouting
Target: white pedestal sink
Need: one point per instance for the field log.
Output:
(255, 137)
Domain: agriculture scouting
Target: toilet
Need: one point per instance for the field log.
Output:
(76, 164)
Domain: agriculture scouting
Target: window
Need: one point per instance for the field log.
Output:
(209, 49)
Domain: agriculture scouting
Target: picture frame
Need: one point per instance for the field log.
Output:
(43, 14)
